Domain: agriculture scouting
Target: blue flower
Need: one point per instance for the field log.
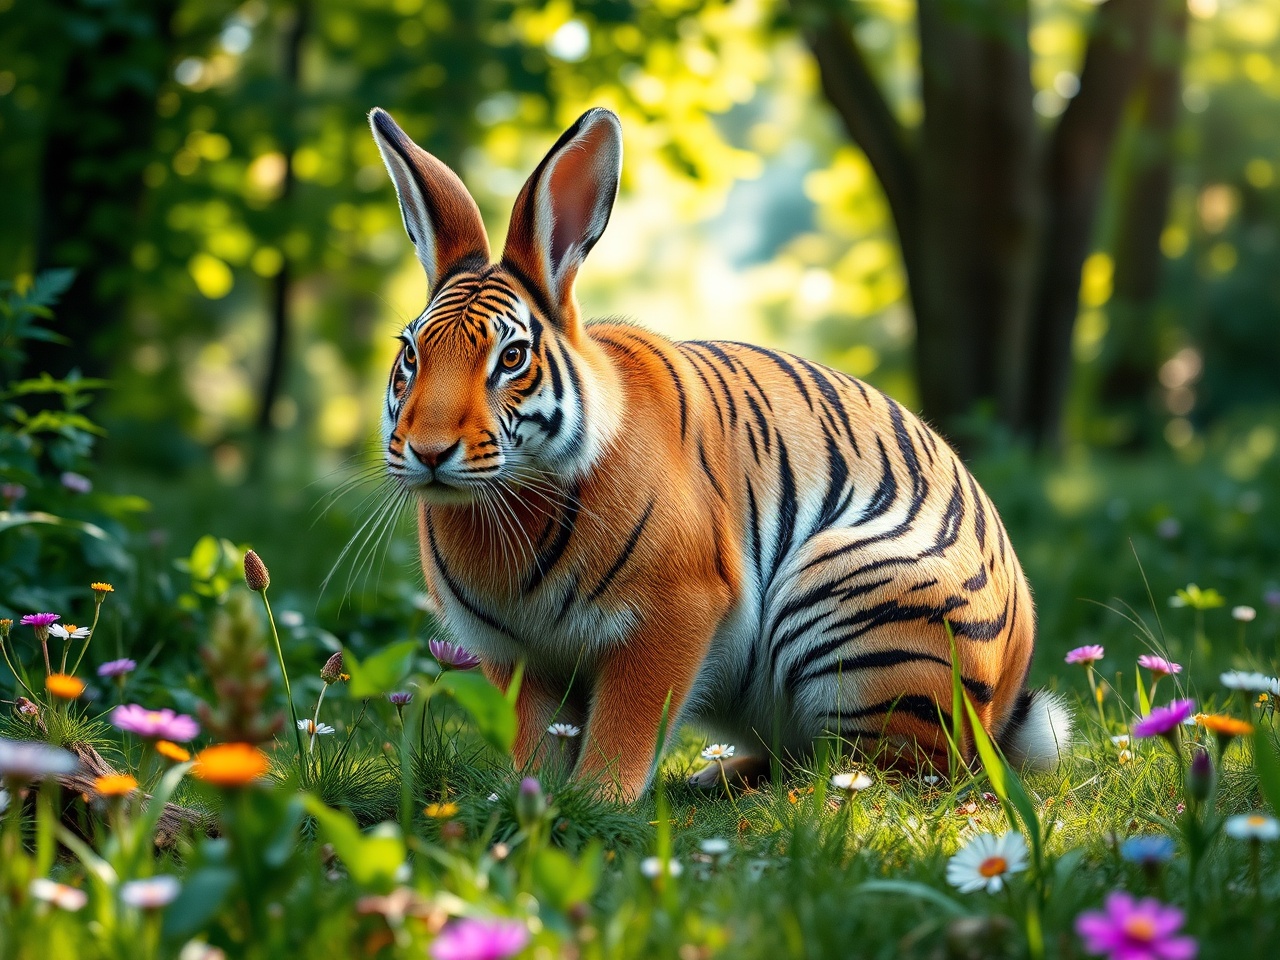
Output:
(1148, 850)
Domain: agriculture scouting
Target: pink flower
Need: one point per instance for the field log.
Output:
(39, 619)
(76, 483)
(1162, 721)
(400, 697)
(468, 939)
(117, 668)
(155, 724)
(1088, 654)
(452, 655)
(1159, 665)
(1135, 930)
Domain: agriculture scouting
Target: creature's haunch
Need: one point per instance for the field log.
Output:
(753, 542)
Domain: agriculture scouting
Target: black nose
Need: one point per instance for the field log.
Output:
(433, 456)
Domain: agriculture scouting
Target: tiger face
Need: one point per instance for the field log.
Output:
(483, 392)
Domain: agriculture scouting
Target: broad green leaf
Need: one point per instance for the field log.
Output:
(562, 881)
(203, 894)
(494, 715)
(372, 859)
(381, 673)
(203, 562)
(909, 888)
(1144, 701)
(1005, 783)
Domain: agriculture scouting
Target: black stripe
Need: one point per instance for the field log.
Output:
(706, 468)
(545, 561)
(675, 381)
(618, 564)
(980, 690)
(913, 704)
(782, 363)
(456, 589)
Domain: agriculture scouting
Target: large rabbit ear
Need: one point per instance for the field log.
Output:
(563, 210)
(439, 215)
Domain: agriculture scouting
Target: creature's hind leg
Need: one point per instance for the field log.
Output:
(858, 643)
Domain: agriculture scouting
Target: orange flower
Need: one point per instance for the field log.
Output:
(441, 811)
(102, 588)
(230, 764)
(115, 785)
(1223, 725)
(172, 751)
(63, 686)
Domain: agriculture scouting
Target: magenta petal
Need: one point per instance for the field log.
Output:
(1178, 948)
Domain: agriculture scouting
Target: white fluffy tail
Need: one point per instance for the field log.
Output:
(1038, 732)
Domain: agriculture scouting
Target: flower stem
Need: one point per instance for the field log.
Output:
(12, 669)
(89, 636)
(315, 720)
(288, 690)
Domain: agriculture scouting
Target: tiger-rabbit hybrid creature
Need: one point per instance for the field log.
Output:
(772, 544)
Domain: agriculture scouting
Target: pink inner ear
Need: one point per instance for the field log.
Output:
(574, 187)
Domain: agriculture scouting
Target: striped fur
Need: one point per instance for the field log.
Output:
(774, 545)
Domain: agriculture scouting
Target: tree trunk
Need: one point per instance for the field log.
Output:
(1129, 358)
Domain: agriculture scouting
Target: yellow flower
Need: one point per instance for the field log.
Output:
(172, 751)
(115, 785)
(63, 686)
(100, 591)
(441, 811)
(230, 764)
(1224, 725)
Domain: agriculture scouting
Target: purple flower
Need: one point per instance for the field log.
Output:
(1149, 850)
(1271, 598)
(12, 492)
(469, 939)
(117, 668)
(155, 724)
(400, 697)
(1135, 930)
(76, 482)
(1089, 654)
(1159, 665)
(452, 655)
(39, 619)
(1162, 721)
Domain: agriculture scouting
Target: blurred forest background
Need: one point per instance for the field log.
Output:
(1051, 225)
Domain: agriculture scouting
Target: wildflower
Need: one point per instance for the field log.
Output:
(1271, 598)
(256, 574)
(531, 803)
(1244, 614)
(64, 687)
(114, 669)
(12, 492)
(1124, 756)
(1088, 655)
(26, 708)
(76, 482)
(154, 724)
(851, 782)
(100, 590)
(1148, 849)
(653, 867)
(1121, 741)
(441, 811)
(1159, 665)
(230, 764)
(987, 861)
(171, 751)
(1250, 680)
(152, 893)
(1135, 930)
(30, 759)
(60, 895)
(714, 846)
(1169, 528)
(565, 731)
(474, 939)
(40, 623)
(331, 672)
(115, 785)
(451, 655)
(1252, 826)
(400, 697)
(1163, 721)
(313, 729)
(1223, 725)
(1200, 775)
(68, 632)
(931, 779)
(5, 626)
(718, 752)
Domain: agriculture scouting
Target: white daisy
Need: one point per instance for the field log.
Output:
(566, 731)
(851, 782)
(1243, 613)
(931, 779)
(718, 751)
(1248, 680)
(313, 729)
(986, 862)
(714, 846)
(651, 867)
(59, 894)
(1120, 742)
(30, 760)
(68, 632)
(1252, 826)
(152, 893)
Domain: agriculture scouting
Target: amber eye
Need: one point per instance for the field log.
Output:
(410, 358)
(514, 356)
